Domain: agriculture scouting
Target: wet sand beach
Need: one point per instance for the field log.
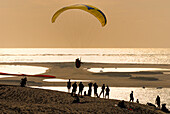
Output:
(123, 79)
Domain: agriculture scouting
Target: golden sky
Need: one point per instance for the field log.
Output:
(131, 24)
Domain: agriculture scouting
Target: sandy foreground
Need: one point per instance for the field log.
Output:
(68, 71)
(15, 99)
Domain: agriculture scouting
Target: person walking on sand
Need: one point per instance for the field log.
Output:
(69, 85)
(74, 89)
(158, 101)
(131, 96)
(81, 87)
(107, 92)
(95, 89)
(103, 89)
(90, 88)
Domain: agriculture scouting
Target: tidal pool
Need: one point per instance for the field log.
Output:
(99, 70)
(21, 69)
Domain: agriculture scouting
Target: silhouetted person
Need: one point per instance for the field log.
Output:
(23, 82)
(103, 88)
(74, 89)
(77, 100)
(78, 63)
(164, 109)
(81, 87)
(150, 104)
(137, 101)
(69, 85)
(158, 101)
(121, 104)
(131, 96)
(95, 89)
(84, 93)
(107, 92)
(90, 88)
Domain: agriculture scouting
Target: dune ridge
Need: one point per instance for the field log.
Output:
(15, 99)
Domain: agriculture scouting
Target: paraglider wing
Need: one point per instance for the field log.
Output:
(88, 8)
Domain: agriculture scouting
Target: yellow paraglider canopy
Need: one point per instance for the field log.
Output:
(88, 8)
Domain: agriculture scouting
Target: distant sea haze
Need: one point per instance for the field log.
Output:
(96, 55)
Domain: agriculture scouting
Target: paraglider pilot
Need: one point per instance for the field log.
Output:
(78, 63)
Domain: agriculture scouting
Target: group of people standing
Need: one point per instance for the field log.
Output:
(157, 102)
(105, 91)
(81, 88)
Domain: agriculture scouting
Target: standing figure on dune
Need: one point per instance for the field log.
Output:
(158, 101)
(95, 89)
(90, 88)
(74, 89)
(164, 109)
(69, 85)
(103, 89)
(131, 97)
(23, 82)
(137, 101)
(107, 92)
(81, 87)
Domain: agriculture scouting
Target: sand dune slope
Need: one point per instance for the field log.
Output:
(14, 99)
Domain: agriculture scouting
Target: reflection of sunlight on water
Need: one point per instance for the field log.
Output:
(97, 70)
(22, 69)
(64, 80)
(166, 72)
(123, 93)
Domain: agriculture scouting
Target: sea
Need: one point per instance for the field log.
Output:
(95, 55)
